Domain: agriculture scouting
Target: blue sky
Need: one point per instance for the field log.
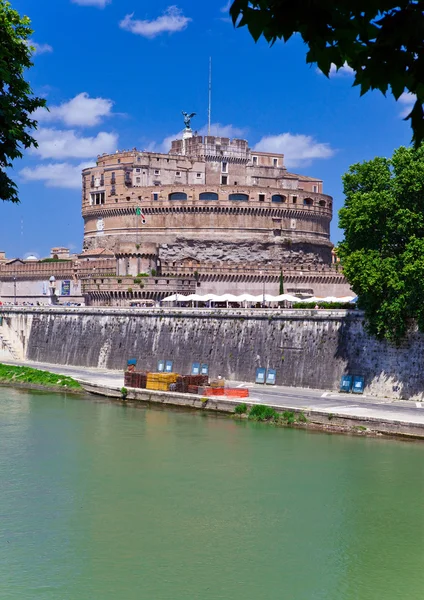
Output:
(117, 73)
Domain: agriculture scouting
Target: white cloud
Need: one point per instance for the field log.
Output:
(171, 21)
(56, 143)
(344, 71)
(62, 175)
(98, 3)
(216, 129)
(299, 150)
(408, 100)
(79, 111)
(223, 130)
(226, 8)
(40, 48)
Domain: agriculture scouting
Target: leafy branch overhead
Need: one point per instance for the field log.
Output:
(381, 40)
(16, 100)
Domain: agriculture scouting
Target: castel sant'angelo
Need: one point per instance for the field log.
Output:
(211, 216)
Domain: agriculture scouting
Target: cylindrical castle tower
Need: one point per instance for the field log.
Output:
(212, 205)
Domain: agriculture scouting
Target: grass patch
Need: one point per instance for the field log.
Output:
(241, 409)
(289, 417)
(301, 418)
(260, 412)
(11, 374)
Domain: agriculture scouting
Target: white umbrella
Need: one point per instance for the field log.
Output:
(246, 298)
(287, 297)
(229, 298)
(172, 298)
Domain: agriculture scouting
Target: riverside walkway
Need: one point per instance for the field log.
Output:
(331, 402)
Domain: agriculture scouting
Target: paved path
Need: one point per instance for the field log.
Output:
(297, 398)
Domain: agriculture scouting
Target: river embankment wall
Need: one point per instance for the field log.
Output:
(307, 348)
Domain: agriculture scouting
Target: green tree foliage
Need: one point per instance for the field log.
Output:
(381, 40)
(16, 100)
(383, 250)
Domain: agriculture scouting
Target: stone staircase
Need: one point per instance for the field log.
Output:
(7, 346)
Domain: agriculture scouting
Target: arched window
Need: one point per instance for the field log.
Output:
(239, 197)
(208, 196)
(308, 201)
(321, 202)
(278, 198)
(177, 196)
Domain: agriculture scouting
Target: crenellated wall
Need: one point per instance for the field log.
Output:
(307, 348)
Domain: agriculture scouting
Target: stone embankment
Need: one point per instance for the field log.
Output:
(315, 419)
(308, 348)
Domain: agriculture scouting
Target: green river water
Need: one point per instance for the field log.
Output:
(104, 502)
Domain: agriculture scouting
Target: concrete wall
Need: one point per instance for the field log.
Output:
(308, 348)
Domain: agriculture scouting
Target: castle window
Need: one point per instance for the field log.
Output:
(97, 198)
(138, 159)
(321, 202)
(315, 189)
(199, 175)
(178, 174)
(208, 196)
(261, 197)
(112, 179)
(278, 198)
(255, 160)
(224, 167)
(137, 170)
(239, 197)
(119, 160)
(137, 179)
(157, 172)
(177, 196)
(224, 180)
(308, 201)
(294, 201)
(155, 196)
(275, 162)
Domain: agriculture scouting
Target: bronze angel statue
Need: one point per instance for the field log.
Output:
(187, 118)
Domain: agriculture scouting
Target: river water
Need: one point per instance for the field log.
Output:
(104, 502)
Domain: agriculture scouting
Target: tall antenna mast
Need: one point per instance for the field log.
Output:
(210, 95)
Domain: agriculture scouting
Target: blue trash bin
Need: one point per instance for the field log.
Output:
(161, 366)
(195, 368)
(204, 369)
(346, 383)
(168, 366)
(260, 375)
(358, 385)
(271, 375)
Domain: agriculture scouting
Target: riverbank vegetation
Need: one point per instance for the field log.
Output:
(28, 376)
(261, 412)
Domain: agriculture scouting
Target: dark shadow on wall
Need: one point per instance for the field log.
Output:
(392, 371)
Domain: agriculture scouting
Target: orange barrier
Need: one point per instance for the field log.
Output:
(229, 392)
(237, 392)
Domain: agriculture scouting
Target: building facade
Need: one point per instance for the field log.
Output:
(210, 216)
(212, 208)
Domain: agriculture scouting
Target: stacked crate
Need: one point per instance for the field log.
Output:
(160, 381)
(190, 383)
(135, 379)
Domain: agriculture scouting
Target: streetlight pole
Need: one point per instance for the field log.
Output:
(14, 289)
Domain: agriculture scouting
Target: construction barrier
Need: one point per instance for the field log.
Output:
(229, 392)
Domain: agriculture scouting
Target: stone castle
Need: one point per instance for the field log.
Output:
(211, 216)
